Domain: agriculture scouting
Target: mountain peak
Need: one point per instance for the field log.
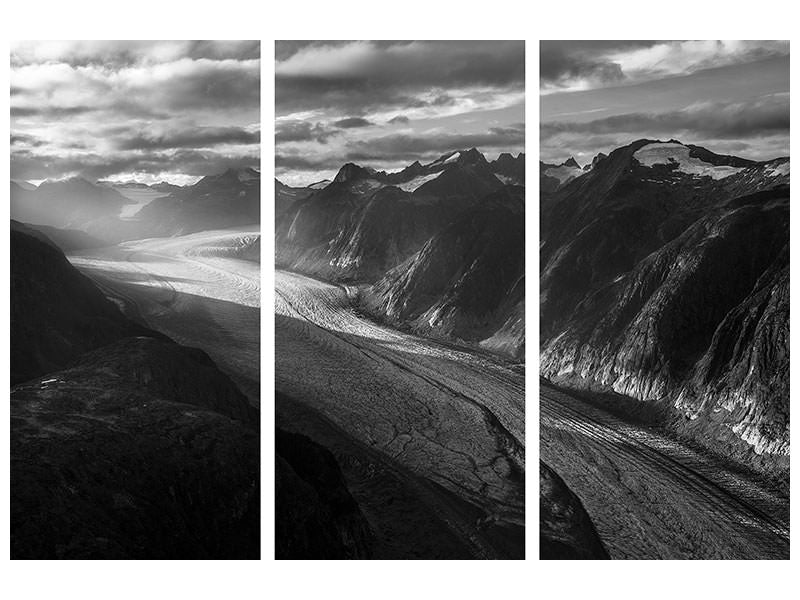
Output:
(571, 162)
(598, 157)
(351, 172)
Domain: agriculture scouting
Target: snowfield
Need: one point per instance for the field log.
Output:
(564, 173)
(413, 184)
(669, 153)
(191, 289)
(452, 416)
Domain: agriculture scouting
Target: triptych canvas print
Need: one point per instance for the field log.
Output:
(401, 251)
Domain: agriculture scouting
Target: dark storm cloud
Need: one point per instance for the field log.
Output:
(404, 148)
(352, 123)
(198, 137)
(592, 64)
(307, 163)
(718, 120)
(302, 131)
(25, 140)
(358, 76)
(442, 96)
(403, 145)
(558, 63)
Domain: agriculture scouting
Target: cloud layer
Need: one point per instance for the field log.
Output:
(133, 110)
(384, 102)
(732, 97)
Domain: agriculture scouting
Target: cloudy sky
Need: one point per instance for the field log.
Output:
(731, 97)
(147, 111)
(387, 104)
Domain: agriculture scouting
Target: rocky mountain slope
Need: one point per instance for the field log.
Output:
(286, 195)
(315, 515)
(441, 244)
(123, 443)
(664, 276)
(56, 312)
(467, 281)
(565, 530)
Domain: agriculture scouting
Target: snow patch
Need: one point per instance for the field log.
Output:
(564, 173)
(413, 184)
(778, 170)
(450, 159)
(505, 179)
(673, 153)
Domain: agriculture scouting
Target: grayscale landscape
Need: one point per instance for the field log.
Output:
(135, 298)
(399, 308)
(664, 300)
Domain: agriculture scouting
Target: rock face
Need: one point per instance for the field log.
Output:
(510, 169)
(441, 244)
(552, 177)
(116, 457)
(123, 443)
(315, 515)
(467, 281)
(366, 222)
(565, 530)
(285, 196)
(56, 313)
(669, 282)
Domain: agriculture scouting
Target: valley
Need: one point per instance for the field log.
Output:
(399, 348)
(195, 288)
(432, 417)
(125, 443)
(664, 307)
(652, 497)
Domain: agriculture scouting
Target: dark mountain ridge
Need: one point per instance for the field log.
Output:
(124, 444)
(664, 277)
(411, 234)
(467, 281)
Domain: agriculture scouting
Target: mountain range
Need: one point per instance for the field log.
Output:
(124, 444)
(437, 248)
(664, 276)
(217, 201)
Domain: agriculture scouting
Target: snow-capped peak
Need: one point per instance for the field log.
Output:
(669, 153)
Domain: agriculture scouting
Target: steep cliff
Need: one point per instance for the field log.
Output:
(315, 515)
(565, 530)
(467, 281)
(664, 276)
(124, 444)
